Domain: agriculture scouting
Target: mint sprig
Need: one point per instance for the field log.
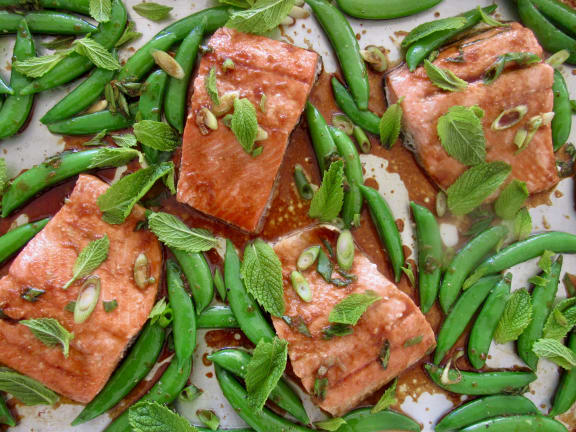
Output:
(351, 308)
(329, 198)
(27, 390)
(262, 17)
(516, 317)
(154, 417)
(89, 259)
(50, 332)
(461, 134)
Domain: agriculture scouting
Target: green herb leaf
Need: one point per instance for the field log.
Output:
(461, 134)
(129, 35)
(157, 135)
(155, 417)
(561, 320)
(113, 157)
(264, 16)
(212, 86)
(100, 10)
(475, 185)
(190, 393)
(522, 224)
(351, 308)
(337, 329)
(320, 387)
(516, 317)
(110, 305)
(409, 274)
(36, 67)
(428, 28)
(126, 140)
(96, 139)
(332, 424)
(161, 313)
(511, 199)
(391, 124)
(152, 11)
(89, 259)
(413, 341)
(31, 294)
(384, 355)
(96, 53)
(520, 58)
(244, 124)
(444, 78)
(555, 352)
(50, 332)
(329, 198)
(174, 233)
(265, 370)
(243, 4)
(387, 399)
(545, 261)
(209, 418)
(487, 19)
(262, 274)
(27, 390)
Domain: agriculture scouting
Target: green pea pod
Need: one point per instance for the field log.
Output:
(80, 6)
(551, 38)
(283, 395)
(51, 172)
(466, 260)
(184, 316)
(76, 65)
(565, 395)
(84, 95)
(16, 239)
(5, 414)
(352, 206)
(483, 329)
(367, 120)
(217, 317)
(132, 370)
(141, 61)
(46, 22)
(199, 276)
(345, 44)
(522, 251)
(481, 383)
(419, 50)
(168, 387)
(324, 146)
(93, 123)
(386, 227)
(523, 423)
(177, 92)
(461, 314)
(248, 314)
(5, 89)
(562, 15)
(429, 255)
(562, 121)
(16, 108)
(374, 9)
(362, 420)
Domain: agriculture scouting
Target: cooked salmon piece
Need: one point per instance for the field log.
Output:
(217, 177)
(351, 363)
(46, 263)
(424, 103)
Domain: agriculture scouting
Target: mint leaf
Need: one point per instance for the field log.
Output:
(36, 67)
(522, 224)
(444, 78)
(545, 261)
(475, 185)
(428, 28)
(351, 308)
(212, 87)
(174, 233)
(113, 157)
(89, 259)
(157, 135)
(190, 393)
(96, 53)
(161, 313)
(556, 352)
(264, 16)
(100, 10)
(461, 134)
(126, 140)
(154, 417)
(329, 198)
(265, 370)
(129, 35)
(96, 139)
(561, 320)
(262, 274)
(244, 123)
(50, 332)
(511, 199)
(152, 11)
(209, 418)
(27, 390)
(516, 317)
(332, 424)
(120, 198)
(391, 124)
(387, 399)
(520, 58)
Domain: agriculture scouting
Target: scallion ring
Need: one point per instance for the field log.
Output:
(87, 299)
(300, 285)
(345, 250)
(308, 257)
(142, 271)
(509, 117)
(362, 139)
(375, 58)
(558, 58)
(343, 123)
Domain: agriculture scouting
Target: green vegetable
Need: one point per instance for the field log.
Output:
(562, 121)
(87, 299)
(300, 285)
(461, 134)
(367, 120)
(209, 418)
(157, 135)
(391, 124)
(17, 238)
(520, 58)
(516, 316)
(263, 16)
(324, 146)
(351, 308)
(27, 390)
(305, 189)
(199, 276)
(216, 317)
(372, 9)
(444, 79)
(566, 391)
(89, 259)
(50, 332)
(345, 250)
(363, 420)
(556, 352)
(511, 199)
(328, 199)
(387, 399)
(176, 234)
(244, 124)
(524, 423)
(152, 11)
(152, 416)
(428, 28)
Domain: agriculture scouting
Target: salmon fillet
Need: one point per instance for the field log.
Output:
(424, 103)
(217, 177)
(351, 363)
(46, 263)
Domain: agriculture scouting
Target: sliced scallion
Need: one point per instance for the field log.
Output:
(142, 271)
(308, 257)
(300, 285)
(345, 250)
(343, 123)
(375, 58)
(509, 117)
(558, 58)
(305, 189)
(362, 139)
(87, 299)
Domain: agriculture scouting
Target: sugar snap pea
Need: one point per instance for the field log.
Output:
(249, 315)
(236, 362)
(562, 121)
(367, 120)
(5, 414)
(484, 408)
(565, 395)
(345, 44)
(198, 275)
(562, 15)
(16, 108)
(76, 65)
(15, 239)
(47, 22)
(485, 325)
(386, 227)
(373, 9)
(481, 383)
(80, 6)
(362, 420)
(5, 89)
(177, 91)
(465, 261)
(521, 423)
(93, 123)
(131, 371)
(461, 314)
(429, 255)
(217, 317)
(322, 141)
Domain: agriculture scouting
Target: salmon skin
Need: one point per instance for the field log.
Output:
(469, 59)
(46, 263)
(217, 177)
(352, 364)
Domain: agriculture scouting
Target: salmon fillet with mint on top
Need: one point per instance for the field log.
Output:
(46, 264)
(519, 85)
(390, 336)
(217, 176)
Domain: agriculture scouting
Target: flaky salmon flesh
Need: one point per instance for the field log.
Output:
(46, 263)
(469, 59)
(217, 177)
(352, 364)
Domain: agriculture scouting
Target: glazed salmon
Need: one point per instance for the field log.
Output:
(351, 363)
(46, 263)
(217, 177)
(424, 103)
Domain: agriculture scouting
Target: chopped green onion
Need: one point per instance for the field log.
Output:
(558, 58)
(305, 189)
(300, 285)
(375, 58)
(110, 305)
(87, 299)
(261, 135)
(343, 123)
(225, 105)
(228, 65)
(206, 121)
(308, 257)
(441, 204)
(509, 117)
(31, 294)
(70, 306)
(362, 139)
(345, 249)
(263, 101)
(520, 137)
(142, 272)
(190, 393)
(325, 266)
